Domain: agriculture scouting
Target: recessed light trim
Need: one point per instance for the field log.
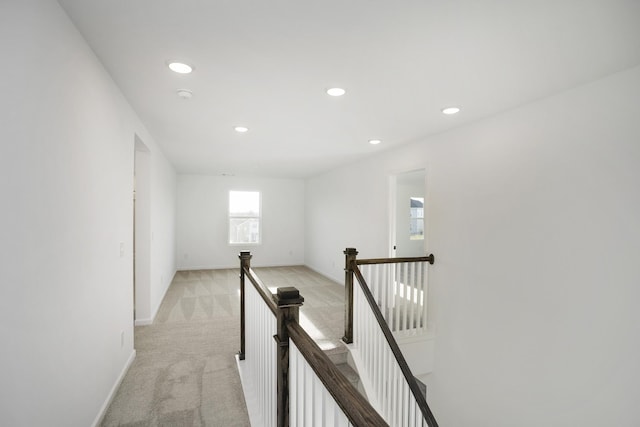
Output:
(450, 110)
(180, 67)
(375, 141)
(241, 129)
(336, 91)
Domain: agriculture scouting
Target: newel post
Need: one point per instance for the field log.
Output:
(245, 262)
(288, 301)
(350, 257)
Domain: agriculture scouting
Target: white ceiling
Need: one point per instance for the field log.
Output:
(266, 64)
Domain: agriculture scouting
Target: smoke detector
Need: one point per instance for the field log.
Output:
(185, 94)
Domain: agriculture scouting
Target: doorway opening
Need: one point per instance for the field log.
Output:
(407, 228)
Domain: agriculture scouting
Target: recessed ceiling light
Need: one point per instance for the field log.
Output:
(450, 110)
(180, 67)
(374, 141)
(336, 91)
(185, 93)
(241, 129)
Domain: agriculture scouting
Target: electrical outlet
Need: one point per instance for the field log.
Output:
(121, 249)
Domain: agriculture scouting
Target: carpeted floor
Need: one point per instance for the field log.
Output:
(185, 373)
(322, 313)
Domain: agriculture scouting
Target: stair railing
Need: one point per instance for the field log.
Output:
(394, 390)
(294, 382)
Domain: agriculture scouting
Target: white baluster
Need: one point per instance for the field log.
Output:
(425, 281)
(314, 405)
(419, 295)
(375, 282)
(293, 384)
(260, 353)
(400, 287)
(396, 273)
(412, 296)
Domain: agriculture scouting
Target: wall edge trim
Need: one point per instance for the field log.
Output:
(112, 393)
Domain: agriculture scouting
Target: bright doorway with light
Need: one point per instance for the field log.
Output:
(407, 228)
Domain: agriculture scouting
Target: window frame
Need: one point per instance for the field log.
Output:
(231, 217)
(414, 237)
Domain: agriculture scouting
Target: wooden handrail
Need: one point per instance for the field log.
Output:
(429, 258)
(357, 409)
(284, 305)
(393, 345)
(264, 292)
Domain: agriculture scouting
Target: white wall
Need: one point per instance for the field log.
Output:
(534, 219)
(142, 256)
(66, 160)
(202, 226)
(163, 194)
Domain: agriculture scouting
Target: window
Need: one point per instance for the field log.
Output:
(244, 217)
(416, 221)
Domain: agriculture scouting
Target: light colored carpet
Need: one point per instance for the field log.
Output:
(185, 373)
(322, 313)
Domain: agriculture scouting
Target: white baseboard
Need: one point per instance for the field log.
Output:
(234, 266)
(339, 281)
(149, 321)
(208, 267)
(114, 389)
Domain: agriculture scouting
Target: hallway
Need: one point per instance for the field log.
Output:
(184, 373)
(185, 370)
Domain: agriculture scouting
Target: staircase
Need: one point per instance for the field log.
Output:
(387, 388)
(341, 357)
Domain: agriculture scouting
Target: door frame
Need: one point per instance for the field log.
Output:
(393, 207)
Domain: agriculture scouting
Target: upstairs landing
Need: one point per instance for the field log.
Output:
(322, 313)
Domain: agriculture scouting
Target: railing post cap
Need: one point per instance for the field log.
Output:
(350, 251)
(288, 296)
(245, 255)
